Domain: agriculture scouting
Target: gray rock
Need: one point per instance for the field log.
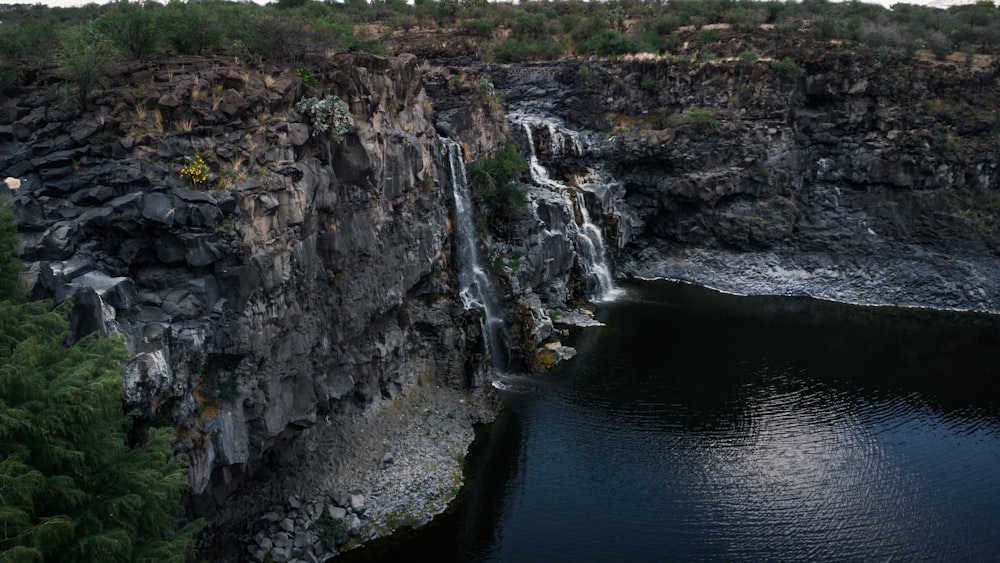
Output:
(272, 517)
(354, 525)
(158, 207)
(287, 525)
(303, 540)
(337, 512)
(281, 554)
(358, 503)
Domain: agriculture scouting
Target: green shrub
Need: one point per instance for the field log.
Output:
(697, 120)
(662, 25)
(132, 27)
(609, 44)
(481, 27)
(940, 47)
(190, 27)
(82, 55)
(327, 115)
(494, 182)
(513, 50)
(529, 26)
(80, 481)
(709, 35)
(787, 68)
(588, 28)
(650, 42)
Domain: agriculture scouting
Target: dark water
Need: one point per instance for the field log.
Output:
(703, 426)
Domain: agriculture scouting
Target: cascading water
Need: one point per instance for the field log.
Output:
(589, 241)
(475, 286)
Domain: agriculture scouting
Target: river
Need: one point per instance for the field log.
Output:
(697, 425)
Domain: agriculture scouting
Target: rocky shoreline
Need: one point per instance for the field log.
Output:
(921, 280)
(404, 468)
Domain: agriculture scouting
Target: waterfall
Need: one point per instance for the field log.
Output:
(474, 282)
(589, 241)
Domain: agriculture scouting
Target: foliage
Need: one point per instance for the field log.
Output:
(331, 532)
(788, 68)
(513, 50)
(79, 481)
(82, 55)
(610, 43)
(10, 264)
(486, 92)
(307, 76)
(481, 27)
(283, 38)
(191, 27)
(196, 172)
(132, 27)
(696, 120)
(304, 32)
(494, 182)
(328, 115)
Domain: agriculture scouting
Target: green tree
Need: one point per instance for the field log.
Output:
(133, 27)
(191, 27)
(10, 264)
(82, 55)
(494, 182)
(79, 482)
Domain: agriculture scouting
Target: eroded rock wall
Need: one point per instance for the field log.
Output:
(307, 281)
(849, 176)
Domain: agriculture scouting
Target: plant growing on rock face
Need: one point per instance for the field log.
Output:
(327, 115)
(196, 172)
(787, 68)
(307, 76)
(494, 182)
(696, 120)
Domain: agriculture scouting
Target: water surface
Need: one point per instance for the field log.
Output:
(699, 426)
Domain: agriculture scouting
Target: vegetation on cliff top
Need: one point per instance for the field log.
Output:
(293, 31)
(79, 480)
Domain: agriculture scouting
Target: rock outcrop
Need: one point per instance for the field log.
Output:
(305, 285)
(848, 177)
(289, 295)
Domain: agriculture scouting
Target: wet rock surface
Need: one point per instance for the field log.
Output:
(860, 179)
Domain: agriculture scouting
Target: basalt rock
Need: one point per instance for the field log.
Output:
(304, 284)
(862, 179)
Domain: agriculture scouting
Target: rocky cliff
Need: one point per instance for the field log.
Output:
(850, 176)
(288, 300)
(289, 293)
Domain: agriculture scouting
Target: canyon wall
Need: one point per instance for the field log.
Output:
(277, 308)
(846, 176)
(295, 315)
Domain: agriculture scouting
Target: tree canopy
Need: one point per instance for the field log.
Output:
(78, 480)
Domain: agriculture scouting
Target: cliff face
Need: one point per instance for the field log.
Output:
(850, 177)
(296, 314)
(305, 285)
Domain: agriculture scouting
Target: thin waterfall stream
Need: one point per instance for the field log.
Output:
(475, 285)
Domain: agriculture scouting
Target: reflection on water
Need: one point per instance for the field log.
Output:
(702, 426)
